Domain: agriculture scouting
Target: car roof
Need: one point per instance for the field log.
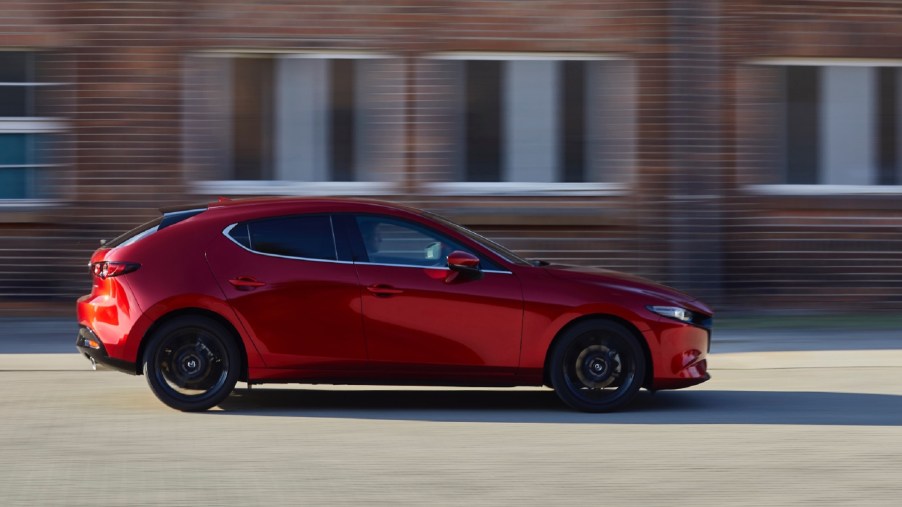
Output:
(296, 204)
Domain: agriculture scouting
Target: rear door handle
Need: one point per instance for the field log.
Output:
(246, 283)
(383, 290)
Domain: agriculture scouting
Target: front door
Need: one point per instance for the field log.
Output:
(417, 321)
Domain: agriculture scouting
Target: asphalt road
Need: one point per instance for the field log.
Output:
(815, 424)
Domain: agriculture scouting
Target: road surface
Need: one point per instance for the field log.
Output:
(799, 422)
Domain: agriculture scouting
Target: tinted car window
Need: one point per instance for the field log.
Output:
(309, 237)
(175, 217)
(157, 224)
(240, 234)
(485, 242)
(392, 241)
(135, 234)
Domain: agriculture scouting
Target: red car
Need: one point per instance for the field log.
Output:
(361, 292)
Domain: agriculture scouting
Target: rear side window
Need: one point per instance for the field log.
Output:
(309, 236)
(135, 234)
(175, 217)
(158, 224)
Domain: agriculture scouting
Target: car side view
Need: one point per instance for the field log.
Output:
(342, 291)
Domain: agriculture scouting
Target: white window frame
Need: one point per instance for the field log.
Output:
(790, 189)
(292, 187)
(30, 125)
(515, 188)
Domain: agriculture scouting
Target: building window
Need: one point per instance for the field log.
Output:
(29, 140)
(539, 119)
(292, 118)
(838, 125)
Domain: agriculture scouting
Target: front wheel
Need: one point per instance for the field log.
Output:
(192, 363)
(597, 366)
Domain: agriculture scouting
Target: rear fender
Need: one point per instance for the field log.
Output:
(187, 303)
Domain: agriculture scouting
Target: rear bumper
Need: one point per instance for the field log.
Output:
(92, 348)
(113, 321)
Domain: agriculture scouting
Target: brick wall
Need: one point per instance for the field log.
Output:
(828, 252)
(686, 217)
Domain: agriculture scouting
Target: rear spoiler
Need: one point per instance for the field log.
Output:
(185, 207)
(192, 207)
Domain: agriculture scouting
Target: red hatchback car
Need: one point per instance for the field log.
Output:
(361, 292)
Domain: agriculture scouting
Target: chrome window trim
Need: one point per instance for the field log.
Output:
(426, 267)
(225, 232)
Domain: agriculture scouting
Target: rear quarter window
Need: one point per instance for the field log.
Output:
(148, 228)
(308, 237)
(142, 231)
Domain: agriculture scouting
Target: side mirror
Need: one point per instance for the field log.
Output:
(463, 264)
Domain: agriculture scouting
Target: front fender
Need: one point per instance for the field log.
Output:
(540, 328)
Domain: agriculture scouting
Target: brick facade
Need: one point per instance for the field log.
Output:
(691, 212)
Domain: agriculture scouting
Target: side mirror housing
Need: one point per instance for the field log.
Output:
(462, 264)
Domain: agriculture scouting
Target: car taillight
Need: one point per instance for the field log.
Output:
(106, 269)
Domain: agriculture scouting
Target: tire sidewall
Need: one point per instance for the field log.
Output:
(623, 395)
(151, 353)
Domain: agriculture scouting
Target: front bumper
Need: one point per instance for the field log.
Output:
(90, 345)
(681, 357)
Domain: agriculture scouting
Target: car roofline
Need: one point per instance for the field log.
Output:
(184, 207)
(262, 202)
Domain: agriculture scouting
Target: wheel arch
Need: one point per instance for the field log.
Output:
(646, 351)
(194, 312)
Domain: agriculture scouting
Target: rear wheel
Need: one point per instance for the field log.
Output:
(597, 366)
(192, 363)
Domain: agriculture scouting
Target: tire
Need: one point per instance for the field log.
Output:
(192, 363)
(597, 366)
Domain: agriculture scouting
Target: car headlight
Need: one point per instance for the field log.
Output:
(673, 312)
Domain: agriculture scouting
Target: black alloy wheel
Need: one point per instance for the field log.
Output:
(192, 363)
(597, 366)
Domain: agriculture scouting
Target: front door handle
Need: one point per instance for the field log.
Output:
(246, 283)
(383, 290)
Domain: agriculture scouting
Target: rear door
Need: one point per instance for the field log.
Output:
(299, 300)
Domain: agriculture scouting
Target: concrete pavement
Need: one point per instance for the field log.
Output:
(791, 417)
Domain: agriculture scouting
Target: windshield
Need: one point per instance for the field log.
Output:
(502, 252)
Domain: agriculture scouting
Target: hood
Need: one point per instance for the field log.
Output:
(623, 281)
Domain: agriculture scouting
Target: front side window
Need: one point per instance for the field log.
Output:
(392, 241)
(308, 237)
(498, 249)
